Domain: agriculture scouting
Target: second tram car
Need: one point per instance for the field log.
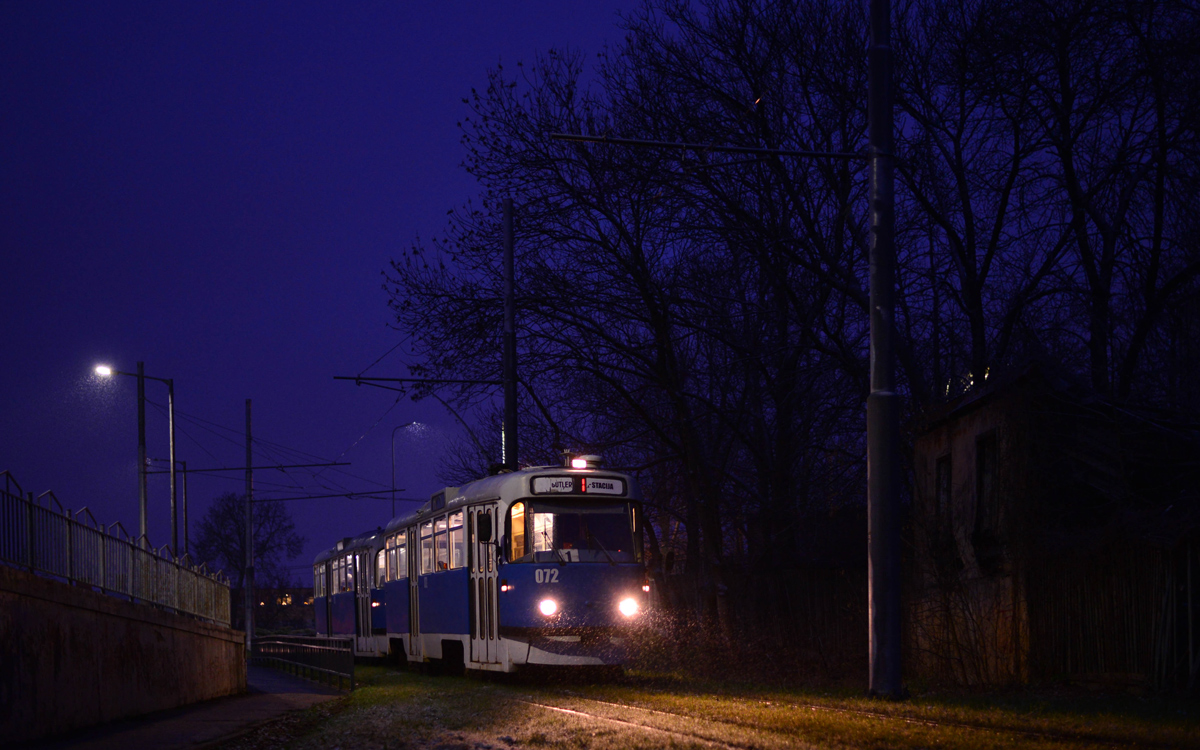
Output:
(347, 596)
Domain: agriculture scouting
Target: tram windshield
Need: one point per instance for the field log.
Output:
(558, 532)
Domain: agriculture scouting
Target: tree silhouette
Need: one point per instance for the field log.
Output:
(221, 540)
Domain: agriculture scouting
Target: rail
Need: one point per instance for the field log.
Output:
(319, 659)
(38, 535)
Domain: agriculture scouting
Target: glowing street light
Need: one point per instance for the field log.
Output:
(105, 371)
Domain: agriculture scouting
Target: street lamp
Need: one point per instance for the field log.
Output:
(394, 430)
(106, 371)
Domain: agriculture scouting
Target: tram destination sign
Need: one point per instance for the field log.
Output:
(578, 485)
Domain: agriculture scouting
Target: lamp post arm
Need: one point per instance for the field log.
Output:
(169, 381)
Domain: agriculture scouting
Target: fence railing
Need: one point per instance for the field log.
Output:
(321, 659)
(37, 534)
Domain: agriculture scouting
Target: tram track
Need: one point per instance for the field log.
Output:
(790, 740)
(690, 736)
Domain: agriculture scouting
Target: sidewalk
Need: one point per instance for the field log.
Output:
(271, 694)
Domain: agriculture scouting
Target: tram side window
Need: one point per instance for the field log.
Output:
(427, 548)
(390, 553)
(397, 567)
(317, 581)
(348, 573)
(440, 543)
(458, 557)
(516, 531)
(381, 569)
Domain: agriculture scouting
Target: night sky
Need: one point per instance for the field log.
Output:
(214, 189)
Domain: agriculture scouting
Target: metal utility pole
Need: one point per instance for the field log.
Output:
(141, 397)
(510, 344)
(186, 549)
(883, 404)
(394, 430)
(248, 579)
(883, 423)
(171, 427)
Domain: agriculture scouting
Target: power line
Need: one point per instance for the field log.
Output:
(279, 467)
(262, 444)
(389, 351)
(369, 495)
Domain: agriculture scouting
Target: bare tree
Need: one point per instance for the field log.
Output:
(221, 540)
(703, 316)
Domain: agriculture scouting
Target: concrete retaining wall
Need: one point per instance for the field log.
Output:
(71, 657)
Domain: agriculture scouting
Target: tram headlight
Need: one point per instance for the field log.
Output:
(628, 606)
(548, 607)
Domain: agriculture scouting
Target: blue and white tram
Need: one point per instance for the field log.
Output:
(347, 598)
(538, 566)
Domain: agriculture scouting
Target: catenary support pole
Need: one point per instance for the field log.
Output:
(186, 548)
(141, 399)
(883, 475)
(248, 579)
(171, 428)
(510, 343)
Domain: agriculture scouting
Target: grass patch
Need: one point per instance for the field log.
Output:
(394, 709)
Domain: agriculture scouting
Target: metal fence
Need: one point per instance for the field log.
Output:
(40, 536)
(321, 659)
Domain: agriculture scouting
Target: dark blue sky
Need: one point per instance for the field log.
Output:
(214, 188)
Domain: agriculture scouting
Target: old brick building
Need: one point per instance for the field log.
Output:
(1054, 536)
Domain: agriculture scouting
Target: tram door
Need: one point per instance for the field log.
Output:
(414, 611)
(362, 597)
(485, 645)
(327, 602)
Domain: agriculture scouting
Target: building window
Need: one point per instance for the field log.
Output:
(986, 536)
(987, 516)
(943, 543)
(941, 492)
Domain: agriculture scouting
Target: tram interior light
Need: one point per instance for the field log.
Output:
(548, 607)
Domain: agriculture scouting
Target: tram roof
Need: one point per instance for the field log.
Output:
(371, 538)
(510, 485)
